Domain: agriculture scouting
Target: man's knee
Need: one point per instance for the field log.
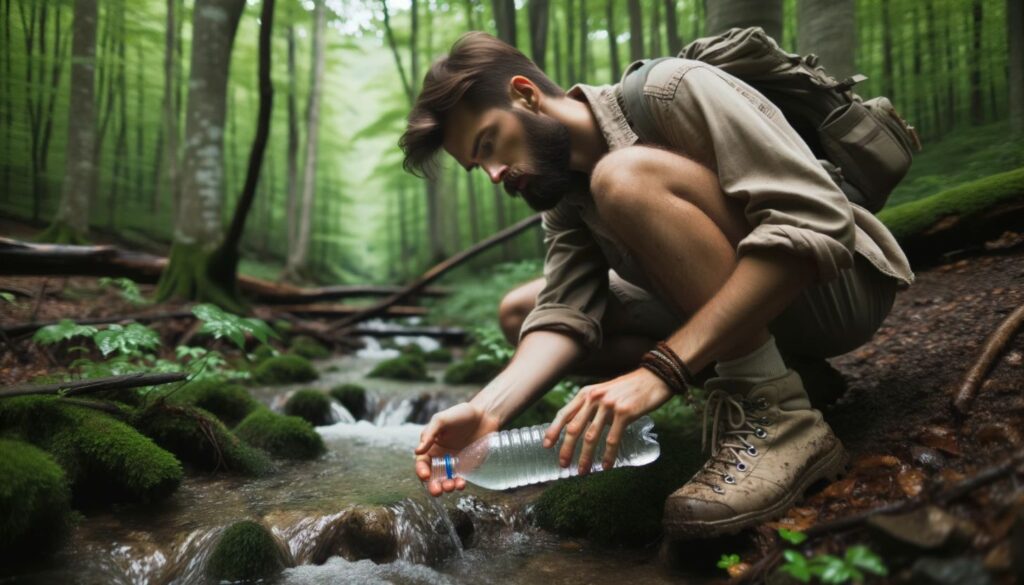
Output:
(515, 306)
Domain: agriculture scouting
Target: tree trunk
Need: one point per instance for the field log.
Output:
(197, 227)
(292, 153)
(1015, 37)
(675, 42)
(570, 41)
(655, 31)
(613, 42)
(636, 31)
(501, 220)
(71, 225)
(725, 14)
(474, 217)
(583, 41)
(296, 265)
(977, 109)
(505, 19)
(828, 29)
(538, 13)
(888, 84)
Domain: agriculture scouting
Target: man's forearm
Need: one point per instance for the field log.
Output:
(540, 360)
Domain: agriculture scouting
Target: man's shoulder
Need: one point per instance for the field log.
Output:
(663, 78)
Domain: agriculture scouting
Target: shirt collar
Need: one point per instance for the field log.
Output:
(604, 103)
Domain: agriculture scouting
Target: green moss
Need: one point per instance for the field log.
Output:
(352, 397)
(471, 371)
(35, 503)
(965, 201)
(439, 355)
(403, 367)
(284, 369)
(308, 347)
(227, 401)
(193, 273)
(288, 437)
(105, 459)
(262, 353)
(197, 438)
(412, 349)
(622, 506)
(60, 232)
(310, 405)
(246, 551)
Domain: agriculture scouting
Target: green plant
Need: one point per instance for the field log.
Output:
(127, 288)
(851, 567)
(728, 561)
(8, 297)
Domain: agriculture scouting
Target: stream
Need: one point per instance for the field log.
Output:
(367, 463)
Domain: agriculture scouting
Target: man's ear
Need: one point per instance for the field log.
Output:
(525, 92)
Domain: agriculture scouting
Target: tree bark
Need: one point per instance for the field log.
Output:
(725, 14)
(977, 109)
(655, 31)
(584, 32)
(538, 13)
(1015, 37)
(675, 42)
(888, 83)
(636, 31)
(613, 41)
(828, 29)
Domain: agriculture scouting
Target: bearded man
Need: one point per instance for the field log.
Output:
(723, 245)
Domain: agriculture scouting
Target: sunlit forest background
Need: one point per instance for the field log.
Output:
(332, 204)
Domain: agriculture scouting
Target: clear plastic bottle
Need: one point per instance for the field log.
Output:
(517, 457)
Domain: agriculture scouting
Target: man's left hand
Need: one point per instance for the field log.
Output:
(617, 403)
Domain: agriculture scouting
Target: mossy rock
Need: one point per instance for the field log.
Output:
(35, 503)
(105, 459)
(353, 398)
(263, 352)
(471, 371)
(412, 349)
(227, 401)
(310, 405)
(621, 506)
(284, 369)
(438, 356)
(199, 439)
(403, 367)
(308, 347)
(246, 551)
(287, 437)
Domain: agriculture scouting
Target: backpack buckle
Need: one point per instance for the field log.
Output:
(849, 82)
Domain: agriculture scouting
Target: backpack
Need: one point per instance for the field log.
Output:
(865, 145)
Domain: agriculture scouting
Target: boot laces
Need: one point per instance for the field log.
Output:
(728, 437)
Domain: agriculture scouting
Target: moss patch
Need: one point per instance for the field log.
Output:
(35, 503)
(287, 437)
(439, 355)
(105, 459)
(471, 371)
(403, 367)
(227, 401)
(310, 405)
(308, 347)
(284, 369)
(246, 551)
(353, 398)
(199, 439)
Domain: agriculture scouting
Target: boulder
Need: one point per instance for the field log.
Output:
(247, 551)
(35, 503)
(227, 401)
(284, 369)
(404, 367)
(307, 347)
(310, 405)
(286, 437)
(353, 398)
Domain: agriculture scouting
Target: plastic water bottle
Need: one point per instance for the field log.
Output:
(517, 457)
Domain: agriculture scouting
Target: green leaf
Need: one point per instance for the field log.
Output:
(861, 557)
(9, 297)
(127, 340)
(221, 324)
(129, 290)
(62, 330)
(796, 566)
(728, 561)
(792, 536)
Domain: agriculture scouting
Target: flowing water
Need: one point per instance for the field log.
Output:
(366, 464)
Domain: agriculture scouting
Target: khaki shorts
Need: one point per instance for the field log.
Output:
(825, 320)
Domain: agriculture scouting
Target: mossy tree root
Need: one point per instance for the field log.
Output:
(59, 232)
(192, 274)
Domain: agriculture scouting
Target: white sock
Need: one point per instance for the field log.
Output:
(763, 363)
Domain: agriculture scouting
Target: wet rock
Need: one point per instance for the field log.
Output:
(287, 437)
(463, 523)
(926, 529)
(404, 367)
(309, 348)
(353, 398)
(927, 458)
(247, 551)
(943, 571)
(368, 532)
(227, 401)
(35, 508)
(310, 405)
(284, 369)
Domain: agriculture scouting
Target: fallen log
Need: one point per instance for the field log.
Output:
(334, 310)
(453, 335)
(77, 387)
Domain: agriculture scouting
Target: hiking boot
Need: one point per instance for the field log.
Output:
(767, 446)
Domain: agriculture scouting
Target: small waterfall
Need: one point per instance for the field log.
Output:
(394, 412)
(340, 414)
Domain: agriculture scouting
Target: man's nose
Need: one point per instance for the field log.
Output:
(496, 172)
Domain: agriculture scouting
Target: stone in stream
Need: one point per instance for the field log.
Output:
(287, 437)
(310, 405)
(227, 401)
(308, 348)
(404, 367)
(284, 369)
(247, 551)
(364, 532)
(353, 398)
(35, 508)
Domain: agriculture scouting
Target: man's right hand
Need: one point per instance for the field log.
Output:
(449, 431)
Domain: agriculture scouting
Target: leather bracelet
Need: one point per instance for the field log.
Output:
(664, 363)
(688, 376)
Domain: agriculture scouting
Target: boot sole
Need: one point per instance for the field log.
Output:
(829, 466)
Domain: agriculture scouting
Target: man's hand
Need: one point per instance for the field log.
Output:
(618, 403)
(450, 430)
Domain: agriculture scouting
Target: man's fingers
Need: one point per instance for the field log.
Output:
(428, 435)
(611, 444)
(573, 430)
(566, 413)
(423, 468)
(434, 488)
(590, 440)
(460, 483)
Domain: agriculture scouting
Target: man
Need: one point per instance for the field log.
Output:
(729, 241)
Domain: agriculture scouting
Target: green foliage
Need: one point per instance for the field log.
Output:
(543, 411)
(310, 405)
(308, 348)
(63, 330)
(404, 367)
(8, 297)
(127, 288)
(35, 510)
(487, 356)
(127, 340)
(728, 561)
(246, 551)
(475, 299)
(792, 536)
(227, 401)
(827, 568)
(439, 355)
(284, 369)
(105, 460)
(221, 324)
(287, 437)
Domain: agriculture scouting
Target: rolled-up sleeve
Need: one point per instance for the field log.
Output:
(576, 274)
(790, 200)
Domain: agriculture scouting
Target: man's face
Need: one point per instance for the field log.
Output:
(527, 151)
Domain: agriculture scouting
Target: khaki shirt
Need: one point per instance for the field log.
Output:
(721, 122)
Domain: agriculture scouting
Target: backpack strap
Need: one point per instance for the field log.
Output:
(637, 112)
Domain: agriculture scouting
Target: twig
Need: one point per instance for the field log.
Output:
(994, 347)
(23, 328)
(76, 387)
(39, 299)
(102, 406)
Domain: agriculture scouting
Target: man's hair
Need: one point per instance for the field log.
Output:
(477, 70)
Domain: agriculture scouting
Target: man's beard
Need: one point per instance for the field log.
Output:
(550, 178)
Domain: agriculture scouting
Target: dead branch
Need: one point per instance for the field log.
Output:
(436, 272)
(77, 387)
(994, 347)
(23, 328)
(335, 310)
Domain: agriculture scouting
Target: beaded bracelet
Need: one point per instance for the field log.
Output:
(667, 365)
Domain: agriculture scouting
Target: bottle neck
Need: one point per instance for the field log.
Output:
(444, 467)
